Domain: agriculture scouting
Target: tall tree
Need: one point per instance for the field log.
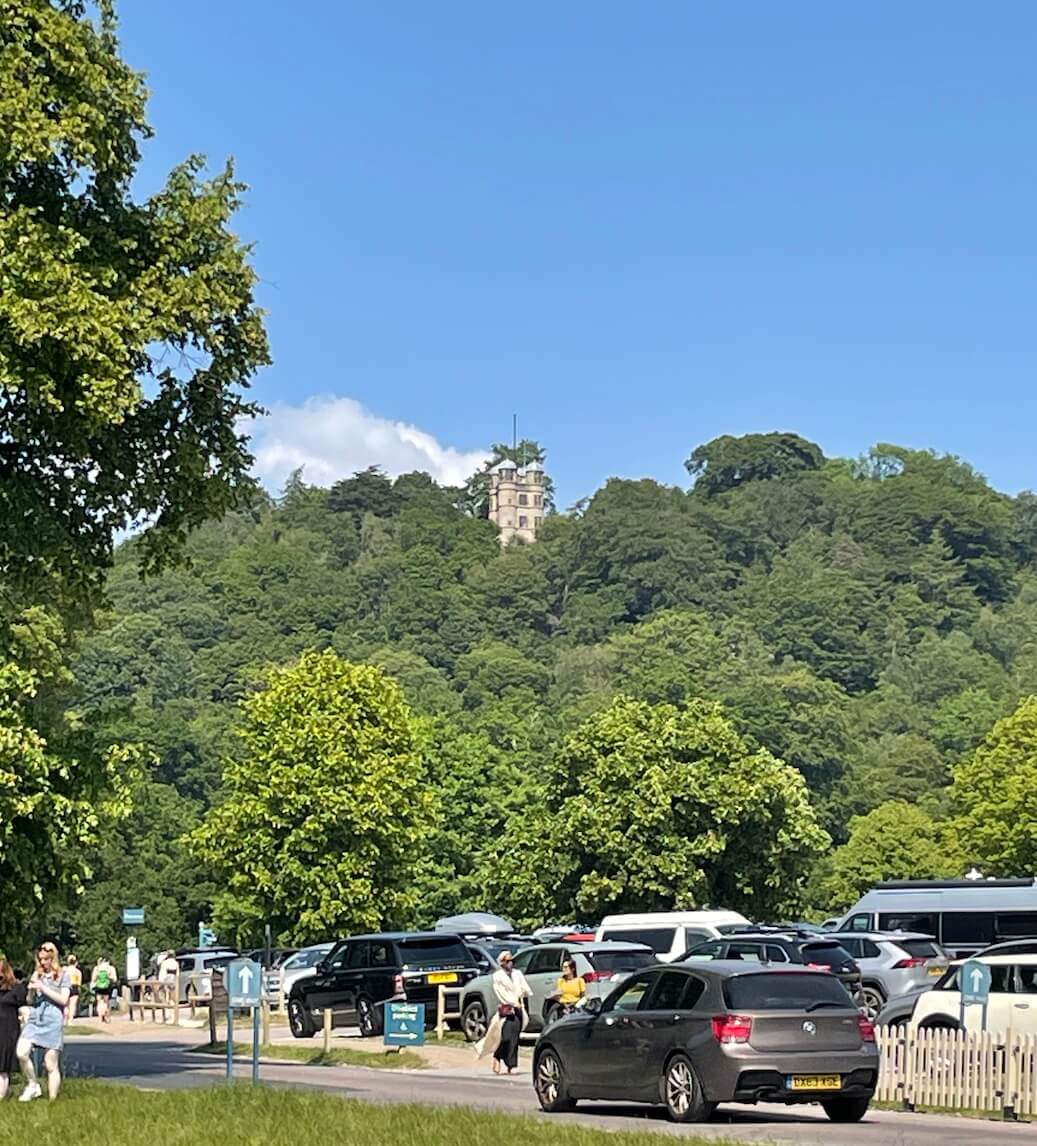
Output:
(322, 820)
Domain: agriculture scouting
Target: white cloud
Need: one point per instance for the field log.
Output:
(332, 438)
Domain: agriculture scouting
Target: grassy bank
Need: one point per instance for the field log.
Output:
(338, 1056)
(95, 1114)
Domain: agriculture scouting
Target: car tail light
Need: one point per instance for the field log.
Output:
(819, 967)
(397, 985)
(597, 976)
(867, 1029)
(905, 963)
(732, 1028)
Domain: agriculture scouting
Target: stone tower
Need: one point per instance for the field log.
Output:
(517, 500)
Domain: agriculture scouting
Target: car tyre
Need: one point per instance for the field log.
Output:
(682, 1092)
(871, 1001)
(367, 1018)
(553, 1013)
(299, 1020)
(473, 1020)
(846, 1109)
(549, 1083)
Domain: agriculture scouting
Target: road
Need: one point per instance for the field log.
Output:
(166, 1066)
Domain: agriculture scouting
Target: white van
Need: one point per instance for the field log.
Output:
(670, 933)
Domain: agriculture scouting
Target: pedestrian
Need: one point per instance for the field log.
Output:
(571, 987)
(502, 1034)
(13, 997)
(48, 995)
(102, 983)
(75, 977)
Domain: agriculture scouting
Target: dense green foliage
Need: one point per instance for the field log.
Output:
(863, 622)
(127, 334)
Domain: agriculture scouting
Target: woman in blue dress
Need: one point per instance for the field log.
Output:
(49, 990)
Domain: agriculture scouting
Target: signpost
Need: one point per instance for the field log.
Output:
(404, 1024)
(206, 936)
(132, 916)
(244, 989)
(974, 988)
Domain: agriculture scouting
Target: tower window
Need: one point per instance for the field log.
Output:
(523, 499)
(523, 521)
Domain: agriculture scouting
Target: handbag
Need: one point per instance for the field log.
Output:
(505, 1010)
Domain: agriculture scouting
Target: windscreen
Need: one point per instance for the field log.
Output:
(219, 961)
(829, 954)
(660, 939)
(433, 952)
(305, 959)
(783, 992)
(619, 960)
(920, 948)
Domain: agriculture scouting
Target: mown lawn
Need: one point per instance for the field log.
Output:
(96, 1114)
(338, 1056)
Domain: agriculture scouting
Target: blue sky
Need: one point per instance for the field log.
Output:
(638, 226)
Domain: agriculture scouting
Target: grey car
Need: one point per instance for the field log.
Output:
(601, 965)
(893, 963)
(691, 1035)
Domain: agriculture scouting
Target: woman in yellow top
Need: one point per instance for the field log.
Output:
(571, 987)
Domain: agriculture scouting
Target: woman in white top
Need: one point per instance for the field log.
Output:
(512, 990)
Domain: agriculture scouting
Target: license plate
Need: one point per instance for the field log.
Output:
(443, 977)
(815, 1082)
(937, 970)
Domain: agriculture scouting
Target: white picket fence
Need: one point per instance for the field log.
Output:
(959, 1071)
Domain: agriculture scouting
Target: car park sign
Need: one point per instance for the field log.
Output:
(404, 1024)
(974, 983)
(244, 983)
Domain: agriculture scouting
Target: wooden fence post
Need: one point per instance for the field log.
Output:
(264, 1021)
(176, 998)
(327, 1030)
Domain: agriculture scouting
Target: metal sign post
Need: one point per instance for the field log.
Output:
(973, 988)
(244, 990)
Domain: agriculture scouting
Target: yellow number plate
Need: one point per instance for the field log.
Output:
(815, 1082)
(937, 970)
(443, 977)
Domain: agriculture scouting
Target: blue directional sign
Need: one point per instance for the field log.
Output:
(244, 983)
(404, 1024)
(974, 983)
(132, 915)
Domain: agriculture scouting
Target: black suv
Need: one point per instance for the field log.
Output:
(778, 945)
(360, 975)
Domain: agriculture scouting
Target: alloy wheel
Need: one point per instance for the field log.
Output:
(549, 1074)
(680, 1087)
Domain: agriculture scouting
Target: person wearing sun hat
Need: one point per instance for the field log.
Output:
(502, 1035)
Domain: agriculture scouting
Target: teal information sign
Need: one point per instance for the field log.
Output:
(404, 1024)
(244, 983)
(974, 983)
(132, 915)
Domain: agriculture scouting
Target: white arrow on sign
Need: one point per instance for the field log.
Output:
(977, 979)
(245, 974)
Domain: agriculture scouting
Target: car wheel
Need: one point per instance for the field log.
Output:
(549, 1083)
(299, 1020)
(367, 1018)
(682, 1092)
(552, 1015)
(473, 1020)
(871, 1001)
(846, 1109)
(940, 1024)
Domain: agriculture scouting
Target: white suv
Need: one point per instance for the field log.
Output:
(1012, 1005)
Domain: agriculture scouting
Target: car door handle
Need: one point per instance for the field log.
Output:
(676, 1018)
(616, 1021)
(1021, 1006)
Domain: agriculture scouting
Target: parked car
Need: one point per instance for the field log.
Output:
(897, 1010)
(1012, 947)
(668, 933)
(301, 965)
(891, 964)
(272, 972)
(196, 970)
(1012, 1003)
(691, 1035)
(819, 952)
(361, 974)
(487, 952)
(602, 966)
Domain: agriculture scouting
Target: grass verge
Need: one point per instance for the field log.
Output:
(339, 1056)
(99, 1114)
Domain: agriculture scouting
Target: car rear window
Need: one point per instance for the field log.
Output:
(432, 952)
(619, 960)
(660, 939)
(920, 948)
(783, 991)
(828, 953)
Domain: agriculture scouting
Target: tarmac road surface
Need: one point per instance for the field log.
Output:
(168, 1066)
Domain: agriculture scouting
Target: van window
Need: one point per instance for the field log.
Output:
(906, 921)
(860, 922)
(968, 927)
(1016, 925)
(660, 939)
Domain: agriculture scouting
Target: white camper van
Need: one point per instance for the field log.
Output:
(670, 933)
(963, 915)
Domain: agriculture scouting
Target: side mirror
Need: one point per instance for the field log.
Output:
(592, 1006)
(321, 968)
